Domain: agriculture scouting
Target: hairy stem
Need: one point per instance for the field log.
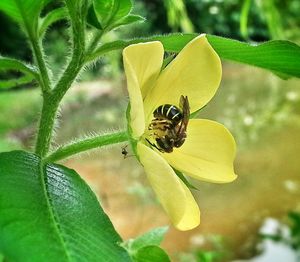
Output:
(87, 144)
(43, 79)
(52, 100)
(44, 76)
(51, 104)
(47, 120)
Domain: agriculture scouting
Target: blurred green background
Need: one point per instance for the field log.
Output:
(260, 109)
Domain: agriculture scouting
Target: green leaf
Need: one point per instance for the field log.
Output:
(153, 237)
(30, 72)
(7, 84)
(48, 213)
(130, 19)
(17, 65)
(25, 12)
(172, 43)
(92, 19)
(151, 254)
(110, 11)
(146, 247)
(52, 17)
(281, 57)
(168, 60)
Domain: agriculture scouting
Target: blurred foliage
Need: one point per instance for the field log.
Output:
(177, 16)
(271, 15)
(214, 17)
(8, 31)
(223, 17)
(290, 238)
(255, 110)
(56, 49)
(23, 107)
(295, 230)
(262, 20)
(211, 248)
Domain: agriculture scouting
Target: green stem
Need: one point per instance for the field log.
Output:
(43, 79)
(44, 76)
(51, 104)
(52, 100)
(87, 144)
(46, 125)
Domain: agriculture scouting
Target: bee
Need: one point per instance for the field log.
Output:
(168, 128)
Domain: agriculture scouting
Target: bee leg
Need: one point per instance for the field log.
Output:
(154, 145)
(166, 144)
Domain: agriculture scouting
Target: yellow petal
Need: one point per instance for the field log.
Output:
(195, 72)
(207, 154)
(142, 64)
(172, 193)
(146, 61)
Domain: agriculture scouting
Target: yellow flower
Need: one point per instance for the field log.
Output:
(208, 150)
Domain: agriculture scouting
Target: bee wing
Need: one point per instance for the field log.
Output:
(185, 107)
(182, 101)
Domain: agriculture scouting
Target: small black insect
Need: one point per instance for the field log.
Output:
(125, 152)
(168, 127)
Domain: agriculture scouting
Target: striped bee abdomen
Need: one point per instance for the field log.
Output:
(169, 112)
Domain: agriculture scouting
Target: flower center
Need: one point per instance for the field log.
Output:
(168, 127)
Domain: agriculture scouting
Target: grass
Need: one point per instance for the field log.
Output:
(91, 107)
(19, 110)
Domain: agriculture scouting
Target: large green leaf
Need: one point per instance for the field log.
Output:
(25, 12)
(48, 213)
(110, 11)
(281, 57)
